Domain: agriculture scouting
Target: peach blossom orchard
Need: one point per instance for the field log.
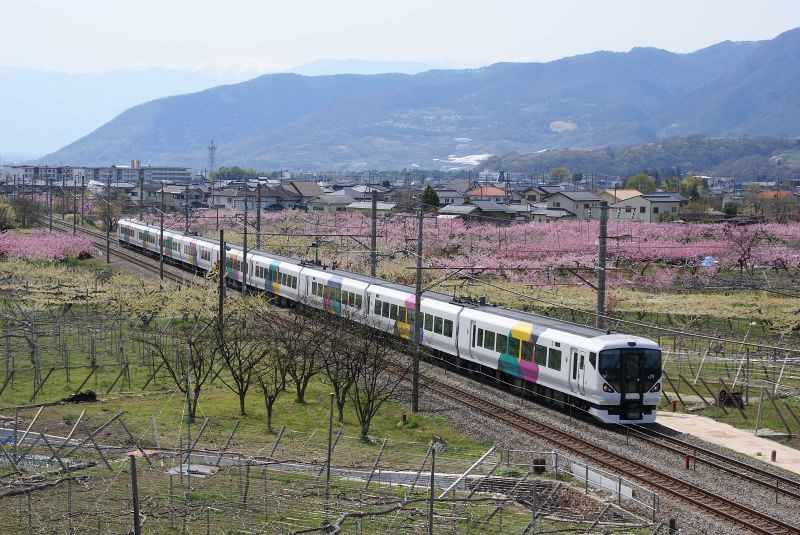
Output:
(649, 255)
(42, 245)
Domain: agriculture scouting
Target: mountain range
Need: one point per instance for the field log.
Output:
(450, 118)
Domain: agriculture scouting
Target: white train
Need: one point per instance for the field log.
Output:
(615, 377)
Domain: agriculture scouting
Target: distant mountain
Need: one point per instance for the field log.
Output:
(41, 110)
(326, 67)
(440, 118)
(746, 158)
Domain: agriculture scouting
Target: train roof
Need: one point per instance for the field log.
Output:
(530, 317)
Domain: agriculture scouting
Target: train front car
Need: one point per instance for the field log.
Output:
(627, 385)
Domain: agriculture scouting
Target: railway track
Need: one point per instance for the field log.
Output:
(782, 485)
(705, 500)
(99, 240)
(719, 506)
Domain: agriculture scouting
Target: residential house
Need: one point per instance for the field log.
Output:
(487, 193)
(462, 185)
(330, 202)
(483, 211)
(306, 189)
(382, 208)
(613, 196)
(175, 197)
(548, 215)
(584, 204)
(223, 199)
(282, 198)
(450, 196)
(650, 208)
(538, 193)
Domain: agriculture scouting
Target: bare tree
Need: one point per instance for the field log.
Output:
(271, 377)
(188, 352)
(340, 365)
(302, 334)
(240, 347)
(379, 372)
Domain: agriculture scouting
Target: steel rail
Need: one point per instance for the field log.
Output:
(714, 459)
(715, 504)
(99, 240)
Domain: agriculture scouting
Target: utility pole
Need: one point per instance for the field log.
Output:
(601, 267)
(74, 206)
(63, 195)
(244, 246)
(161, 237)
(373, 236)
(141, 195)
(50, 203)
(83, 177)
(186, 206)
(221, 263)
(137, 526)
(258, 216)
(108, 221)
(430, 498)
(417, 313)
(328, 464)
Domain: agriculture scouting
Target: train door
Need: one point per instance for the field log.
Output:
(573, 369)
(581, 379)
(473, 331)
(631, 383)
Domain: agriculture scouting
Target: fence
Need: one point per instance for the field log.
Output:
(224, 483)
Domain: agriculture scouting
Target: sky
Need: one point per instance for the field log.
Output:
(255, 36)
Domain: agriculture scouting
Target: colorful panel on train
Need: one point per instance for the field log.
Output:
(330, 303)
(404, 327)
(513, 364)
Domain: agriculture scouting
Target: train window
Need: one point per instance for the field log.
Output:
(411, 316)
(393, 312)
(473, 336)
(401, 314)
(527, 351)
(358, 301)
(513, 347)
(428, 322)
(385, 309)
(437, 327)
(502, 343)
(377, 308)
(447, 330)
(479, 343)
(541, 355)
(581, 365)
(488, 340)
(554, 360)
(593, 359)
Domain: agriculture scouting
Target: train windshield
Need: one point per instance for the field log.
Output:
(628, 370)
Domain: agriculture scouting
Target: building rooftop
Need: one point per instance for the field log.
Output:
(623, 194)
(579, 195)
(457, 209)
(665, 197)
(487, 191)
(367, 205)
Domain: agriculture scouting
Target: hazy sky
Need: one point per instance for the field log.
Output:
(100, 35)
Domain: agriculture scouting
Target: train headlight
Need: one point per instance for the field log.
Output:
(656, 388)
(607, 388)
